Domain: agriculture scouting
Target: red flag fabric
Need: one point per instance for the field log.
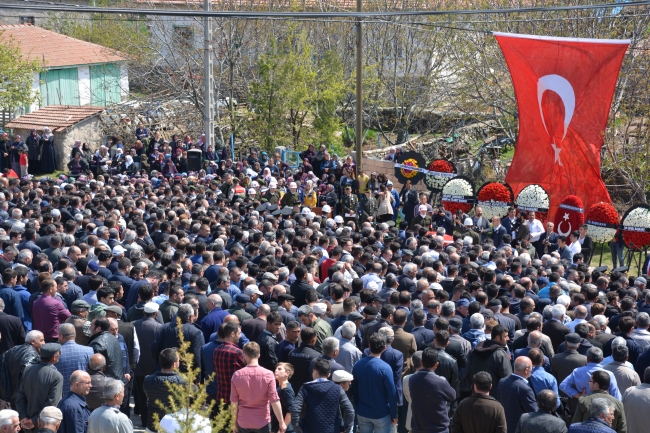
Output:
(564, 89)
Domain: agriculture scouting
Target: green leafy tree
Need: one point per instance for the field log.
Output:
(296, 95)
(16, 76)
(189, 401)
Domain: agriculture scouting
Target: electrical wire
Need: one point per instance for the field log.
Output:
(349, 14)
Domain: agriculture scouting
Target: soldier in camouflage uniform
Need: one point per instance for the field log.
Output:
(349, 206)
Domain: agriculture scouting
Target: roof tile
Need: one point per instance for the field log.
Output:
(56, 117)
(55, 49)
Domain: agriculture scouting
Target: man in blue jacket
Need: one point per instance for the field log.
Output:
(430, 395)
(373, 390)
(324, 406)
(515, 394)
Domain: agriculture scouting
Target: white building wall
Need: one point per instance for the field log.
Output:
(36, 88)
(124, 81)
(83, 72)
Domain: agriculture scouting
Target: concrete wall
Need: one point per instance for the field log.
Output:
(86, 131)
(14, 16)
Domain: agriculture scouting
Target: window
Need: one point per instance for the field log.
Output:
(183, 36)
(27, 20)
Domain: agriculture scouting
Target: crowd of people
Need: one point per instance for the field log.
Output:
(318, 299)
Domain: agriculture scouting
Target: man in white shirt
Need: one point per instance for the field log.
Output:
(534, 226)
(575, 246)
(580, 314)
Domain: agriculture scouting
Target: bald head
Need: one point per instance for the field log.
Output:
(231, 318)
(97, 362)
(79, 376)
(580, 312)
(523, 367)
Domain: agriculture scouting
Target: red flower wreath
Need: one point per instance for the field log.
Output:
(453, 206)
(603, 213)
(495, 191)
(441, 166)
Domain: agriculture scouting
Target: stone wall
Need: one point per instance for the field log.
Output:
(387, 167)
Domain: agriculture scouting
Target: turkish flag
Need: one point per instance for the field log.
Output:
(564, 89)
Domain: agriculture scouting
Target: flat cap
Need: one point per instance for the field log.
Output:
(80, 303)
(50, 349)
(355, 315)
(572, 338)
(114, 309)
(151, 307)
(342, 376)
(319, 308)
(51, 412)
(285, 297)
(370, 310)
(242, 298)
(455, 322)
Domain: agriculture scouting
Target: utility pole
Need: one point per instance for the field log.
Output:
(208, 78)
(359, 105)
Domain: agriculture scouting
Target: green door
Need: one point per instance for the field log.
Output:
(105, 84)
(59, 87)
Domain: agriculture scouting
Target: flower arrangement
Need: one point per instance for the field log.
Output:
(458, 194)
(602, 220)
(409, 173)
(440, 171)
(405, 162)
(495, 198)
(636, 227)
(570, 215)
(534, 198)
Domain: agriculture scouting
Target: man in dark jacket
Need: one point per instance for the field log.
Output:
(447, 364)
(321, 405)
(15, 362)
(491, 356)
(156, 386)
(515, 395)
(96, 367)
(555, 328)
(41, 385)
(301, 358)
(300, 287)
(479, 413)
(105, 343)
(430, 395)
(146, 329)
(268, 341)
(73, 407)
(542, 421)
(11, 330)
(167, 335)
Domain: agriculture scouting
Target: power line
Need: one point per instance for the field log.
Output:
(243, 14)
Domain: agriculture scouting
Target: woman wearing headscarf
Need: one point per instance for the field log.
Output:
(77, 165)
(76, 149)
(101, 161)
(130, 168)
(308, 195)
(169, 169)
(33, 151)
(48, 153)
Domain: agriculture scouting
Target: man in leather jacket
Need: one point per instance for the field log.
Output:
(448, 366)
(156, 385)
(105, 343)
(14, 363)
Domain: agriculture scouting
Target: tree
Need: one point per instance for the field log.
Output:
(190, 401)
(296, 94)
(16, 76)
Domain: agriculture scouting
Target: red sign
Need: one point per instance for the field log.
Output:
(564, 90)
